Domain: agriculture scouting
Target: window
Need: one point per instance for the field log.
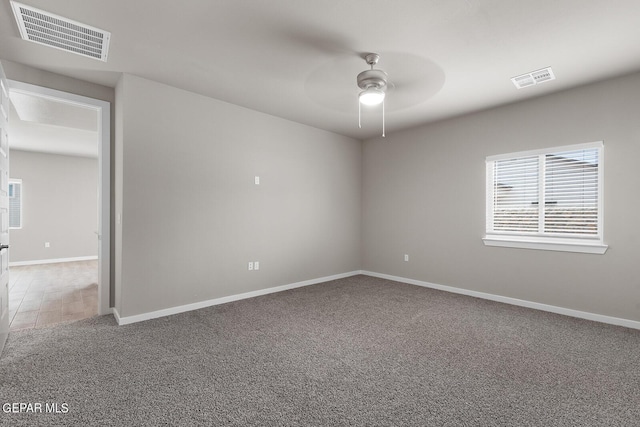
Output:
(546, 199)
(15, 203)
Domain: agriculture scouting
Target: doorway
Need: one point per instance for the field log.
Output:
(101, 110)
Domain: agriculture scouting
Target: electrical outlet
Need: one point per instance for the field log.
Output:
(256, 265)
(250, 266)
(406, 257)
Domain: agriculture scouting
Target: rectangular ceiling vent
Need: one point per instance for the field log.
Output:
(61, 33)
(533, 78)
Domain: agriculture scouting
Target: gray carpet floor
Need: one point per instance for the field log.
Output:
(356, 351)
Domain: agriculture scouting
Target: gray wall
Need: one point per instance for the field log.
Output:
(60, 206)
(424, 195)
(191, 215)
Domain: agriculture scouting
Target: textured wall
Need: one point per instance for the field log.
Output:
(424, 195)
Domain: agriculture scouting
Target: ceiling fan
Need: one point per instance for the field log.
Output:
(374, 83)
(405, 80)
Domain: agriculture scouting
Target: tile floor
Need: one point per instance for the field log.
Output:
(46, 294)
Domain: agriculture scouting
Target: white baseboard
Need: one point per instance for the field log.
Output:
(507, 300)
(514, 301)
(208, 303)
(52, 261)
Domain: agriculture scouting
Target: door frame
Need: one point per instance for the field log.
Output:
(103, 108)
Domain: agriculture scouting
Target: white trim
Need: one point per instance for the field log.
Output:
(52, 261)
(103, 108)
(514, 301)
(542, 240)
(542, 151)
(562, 246)
(223, 300)
(483, 295)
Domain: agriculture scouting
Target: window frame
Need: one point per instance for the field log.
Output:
(19, 182)
(593, 244)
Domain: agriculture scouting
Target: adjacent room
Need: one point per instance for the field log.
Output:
(329, 213)
(53, 212)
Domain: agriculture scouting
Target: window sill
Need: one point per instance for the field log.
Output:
(559, 245)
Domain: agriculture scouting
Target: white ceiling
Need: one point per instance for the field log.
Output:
(38, 109)
(49, 126)
(299, 59)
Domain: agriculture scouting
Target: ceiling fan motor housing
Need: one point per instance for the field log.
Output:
(372, 78)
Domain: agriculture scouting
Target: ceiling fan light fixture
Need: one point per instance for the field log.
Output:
(371, 96)
(373, 82)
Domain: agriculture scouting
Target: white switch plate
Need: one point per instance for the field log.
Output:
(256, 265)
(257, 180)
(47, 244)
(406, 257)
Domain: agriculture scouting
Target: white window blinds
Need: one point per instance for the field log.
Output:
(15, 204)
(571, 192)
(515, 195)
(555, 193)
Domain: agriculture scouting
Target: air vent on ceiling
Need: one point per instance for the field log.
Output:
(533, 78)
(61, 33)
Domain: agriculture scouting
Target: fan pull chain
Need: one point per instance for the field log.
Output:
(359, 114)
(383, 118)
